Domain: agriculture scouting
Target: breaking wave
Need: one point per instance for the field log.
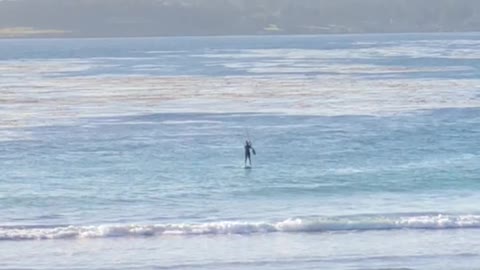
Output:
(293, 225)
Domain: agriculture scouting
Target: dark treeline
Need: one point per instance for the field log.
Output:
(239, 17)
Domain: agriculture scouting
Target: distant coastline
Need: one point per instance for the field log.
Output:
(148, 18)
(30, 33)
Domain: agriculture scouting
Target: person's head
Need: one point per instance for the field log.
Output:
(246, 142)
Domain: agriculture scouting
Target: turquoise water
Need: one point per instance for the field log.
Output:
(127, 153)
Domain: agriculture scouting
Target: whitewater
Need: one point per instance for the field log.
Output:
(432, 222)
(128, 153)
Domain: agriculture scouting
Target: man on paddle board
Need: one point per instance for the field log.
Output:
(248, 146)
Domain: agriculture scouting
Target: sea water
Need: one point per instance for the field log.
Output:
(128, 153)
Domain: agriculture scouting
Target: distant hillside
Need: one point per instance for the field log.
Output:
(107, 18)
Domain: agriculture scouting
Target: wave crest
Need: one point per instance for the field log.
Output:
(322, 224)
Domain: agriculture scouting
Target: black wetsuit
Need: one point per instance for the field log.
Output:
(248, 147)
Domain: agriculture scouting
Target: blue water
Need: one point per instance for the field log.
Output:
(127, 153)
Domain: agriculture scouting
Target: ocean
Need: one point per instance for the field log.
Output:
(128, 153)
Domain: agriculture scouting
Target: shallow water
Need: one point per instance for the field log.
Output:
(127, 153)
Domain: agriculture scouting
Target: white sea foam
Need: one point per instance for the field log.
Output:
(277, 84)
(294, 225)
(346, 69)
(37, 67)
(414, 49)
(58, 101)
